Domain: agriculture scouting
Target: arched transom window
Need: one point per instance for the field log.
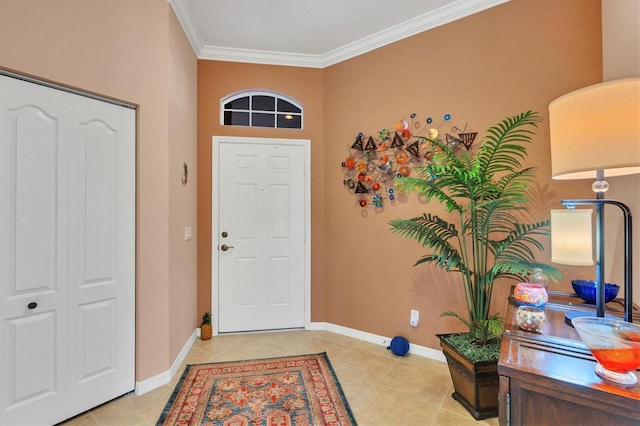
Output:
(260, 109)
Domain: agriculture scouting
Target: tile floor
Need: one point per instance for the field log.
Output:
(381, 388)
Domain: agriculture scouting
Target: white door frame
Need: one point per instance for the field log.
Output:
(215, 180)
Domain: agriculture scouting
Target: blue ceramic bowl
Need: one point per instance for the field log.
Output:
(586, 289)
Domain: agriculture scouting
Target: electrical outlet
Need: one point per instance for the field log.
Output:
(415, 318)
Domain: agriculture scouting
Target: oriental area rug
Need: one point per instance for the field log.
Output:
(298, 390)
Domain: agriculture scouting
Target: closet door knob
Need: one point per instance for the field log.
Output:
(32, 305)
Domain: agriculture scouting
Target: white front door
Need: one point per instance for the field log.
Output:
(260, 245)
(67, 252)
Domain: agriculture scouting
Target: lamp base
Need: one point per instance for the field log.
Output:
(575, 314)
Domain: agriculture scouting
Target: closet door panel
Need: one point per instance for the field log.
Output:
(32, 356)
(33, 258)
(101, 254)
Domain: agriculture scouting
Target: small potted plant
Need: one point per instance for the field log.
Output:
(482, 240)
(205, 328)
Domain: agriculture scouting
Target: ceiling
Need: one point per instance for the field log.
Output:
(310, 33)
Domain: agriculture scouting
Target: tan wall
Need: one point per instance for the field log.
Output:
(130, 50)
(515, 57)
(621, 59)
(183, 205)
(620, 39)
(511, 58)
(218, 79)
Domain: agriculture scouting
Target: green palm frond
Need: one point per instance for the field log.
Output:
(456, 315)
(503, 149)
(520, 240)
(429, 190)
(427, 229)
(488, 329)
(515, 184)
(482, 191)
(434, 233)
(448, 259)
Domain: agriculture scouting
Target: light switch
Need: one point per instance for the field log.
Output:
(187, 233)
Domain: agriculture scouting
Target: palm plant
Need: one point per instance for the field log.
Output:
(483, 190)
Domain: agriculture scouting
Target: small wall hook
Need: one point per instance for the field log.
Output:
(185, 173)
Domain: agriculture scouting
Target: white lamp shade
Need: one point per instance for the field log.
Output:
(596, 128)
(571, 237)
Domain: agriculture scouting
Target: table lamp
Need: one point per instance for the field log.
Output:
(595, 133)
(571, 236)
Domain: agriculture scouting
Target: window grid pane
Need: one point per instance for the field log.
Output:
(260, 119)
(236, 118)
(294, 122)
(284, 106)
(263, 103)
(238, 103)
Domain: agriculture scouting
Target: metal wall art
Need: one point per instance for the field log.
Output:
(375, 160)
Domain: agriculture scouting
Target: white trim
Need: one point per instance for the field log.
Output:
(165, 377)
(376, 339)
(183, 13)
(219, 53)
(444, 15)
(215, 154)
(67, 89)
(152, 383)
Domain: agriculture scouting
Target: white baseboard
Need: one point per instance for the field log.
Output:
(154, 382)
(376, 339)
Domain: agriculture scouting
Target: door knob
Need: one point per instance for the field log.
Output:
(225, 247)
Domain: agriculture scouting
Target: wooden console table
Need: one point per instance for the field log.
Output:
(548, 378)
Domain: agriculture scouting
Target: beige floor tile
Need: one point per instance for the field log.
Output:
(427, 380)
(382, 389)
(87, 419)
(448, 418)
(383, 406)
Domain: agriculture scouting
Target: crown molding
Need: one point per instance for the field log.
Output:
(218, 53)
(417, 25)
(187, 22)
(436, 18)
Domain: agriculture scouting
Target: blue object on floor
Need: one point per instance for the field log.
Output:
(399, 346)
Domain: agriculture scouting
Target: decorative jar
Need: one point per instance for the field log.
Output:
(530, 294)
(531, 319)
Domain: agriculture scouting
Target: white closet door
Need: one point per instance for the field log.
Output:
(67, 252)
(33, 271)
(101, 249)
